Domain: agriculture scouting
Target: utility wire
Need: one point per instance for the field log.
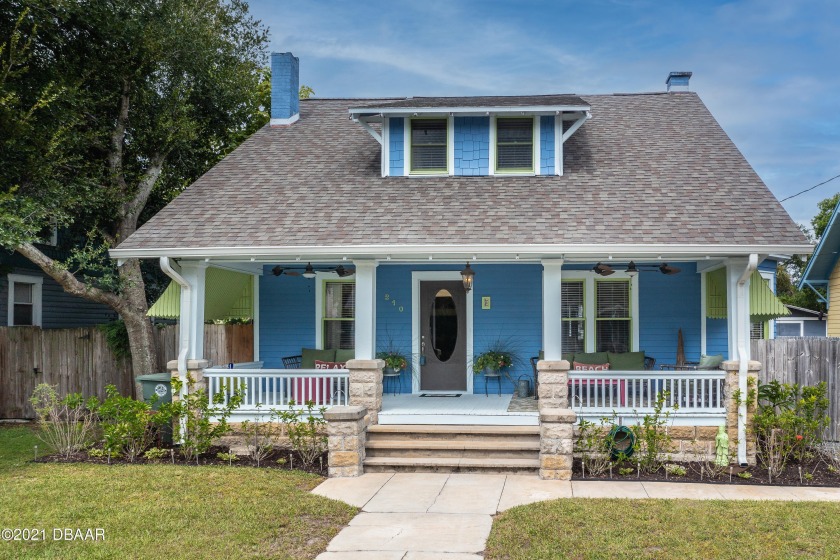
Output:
(810, 189)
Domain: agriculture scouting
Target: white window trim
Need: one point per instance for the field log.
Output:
(431, 275)
(386, 147)
(797, 321)
(37, 297)
(558, 145)
(589, 279)
(320, 278)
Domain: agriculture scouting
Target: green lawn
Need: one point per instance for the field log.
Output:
(635, 529)
(162, 511)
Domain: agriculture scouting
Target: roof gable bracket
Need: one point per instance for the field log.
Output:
(820, 296)
(371, 131)
(576, 125)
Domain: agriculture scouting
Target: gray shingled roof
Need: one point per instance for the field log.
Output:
(568, 100)
(647, 168)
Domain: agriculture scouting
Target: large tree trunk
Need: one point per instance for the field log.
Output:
(140, 334)
(130, 304)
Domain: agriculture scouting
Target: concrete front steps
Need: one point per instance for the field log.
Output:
(451, 448)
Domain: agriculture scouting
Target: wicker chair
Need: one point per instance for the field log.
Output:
(292, 362)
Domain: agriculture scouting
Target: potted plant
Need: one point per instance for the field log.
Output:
(394, 360)
(491, 362)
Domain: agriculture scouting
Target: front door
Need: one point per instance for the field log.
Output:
(443, 332)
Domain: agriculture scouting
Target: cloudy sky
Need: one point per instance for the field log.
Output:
(769, 70)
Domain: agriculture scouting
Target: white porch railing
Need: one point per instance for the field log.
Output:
(267, 389)
(698, 395)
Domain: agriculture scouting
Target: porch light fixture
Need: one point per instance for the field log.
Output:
(309, 272)
(467, 276)
(602, 269)
(631, 270)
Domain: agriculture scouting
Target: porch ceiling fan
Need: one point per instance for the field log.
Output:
(309, 271)
(633, 269)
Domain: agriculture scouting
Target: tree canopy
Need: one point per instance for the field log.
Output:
(108, 109)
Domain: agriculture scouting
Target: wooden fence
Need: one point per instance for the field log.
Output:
(806, 361)
(79, 360)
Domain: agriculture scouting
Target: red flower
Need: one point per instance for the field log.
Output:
(799, 437)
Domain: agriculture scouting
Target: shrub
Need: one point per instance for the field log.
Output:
(789, 423)
(592, 445)
(653, 443)
(129, 426)
(155, 454)
(675, 470)
(202, 419)
(307, 436)
(65, 424)
(230, 457)
(258, 436)
(705, 464)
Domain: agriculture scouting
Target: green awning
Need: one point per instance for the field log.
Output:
(227, 295)
(764, 305)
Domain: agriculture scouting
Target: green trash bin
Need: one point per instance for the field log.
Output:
(160, 385)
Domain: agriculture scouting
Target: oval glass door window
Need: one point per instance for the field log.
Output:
(444, 325)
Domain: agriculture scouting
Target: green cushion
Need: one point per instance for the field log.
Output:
(344, 355)
(710, 362)
(311, 354)
(591, 358)
(627, 361)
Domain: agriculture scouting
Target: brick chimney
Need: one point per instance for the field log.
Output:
(285, 86)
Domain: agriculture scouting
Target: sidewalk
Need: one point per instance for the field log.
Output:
(423, 516)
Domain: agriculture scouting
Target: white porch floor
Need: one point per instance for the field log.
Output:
(467, 409)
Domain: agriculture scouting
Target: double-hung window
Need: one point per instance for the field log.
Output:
(339, 315)
(574, 319)
(429, 146)
(612, 316)
(598, 314)
(24, 300)
(515, 145)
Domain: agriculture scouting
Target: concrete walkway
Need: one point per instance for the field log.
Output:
(448, 516)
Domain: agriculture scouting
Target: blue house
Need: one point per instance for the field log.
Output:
(28, 297)
(581, 227)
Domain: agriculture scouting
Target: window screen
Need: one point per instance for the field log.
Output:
(572, 313)
(339, 315)
(428, 145)
(612, 316)
(515, 144)
(788, 329)
(757, 331)
(24, 305)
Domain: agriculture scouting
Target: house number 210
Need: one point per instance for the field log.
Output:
(393, 302)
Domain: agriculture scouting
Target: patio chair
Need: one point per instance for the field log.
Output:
(292, 362)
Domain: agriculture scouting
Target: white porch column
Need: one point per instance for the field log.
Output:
(552, 318)
(365, 309)
(256, 317)
(738, 271)
(194, 272)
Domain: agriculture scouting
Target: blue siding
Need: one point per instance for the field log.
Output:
(667, 304)
(546, 145)
(59, 310)
(472, 145)
(396, 146)
(287, 316)
(717, 337)
(285, 85)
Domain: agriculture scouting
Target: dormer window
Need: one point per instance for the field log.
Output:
(515, 145)
(428, 146)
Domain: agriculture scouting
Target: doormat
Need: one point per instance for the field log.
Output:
(440, 394)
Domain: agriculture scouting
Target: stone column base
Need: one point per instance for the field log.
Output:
(556, 443)
(366, 386)
(195, 373)
(346, 434)
(554, 384)
(730, 391)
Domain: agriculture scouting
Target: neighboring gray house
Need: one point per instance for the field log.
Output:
(801, 322)
(29, 297)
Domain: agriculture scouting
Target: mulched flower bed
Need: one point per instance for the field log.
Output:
(173, 457)
(819, 471)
